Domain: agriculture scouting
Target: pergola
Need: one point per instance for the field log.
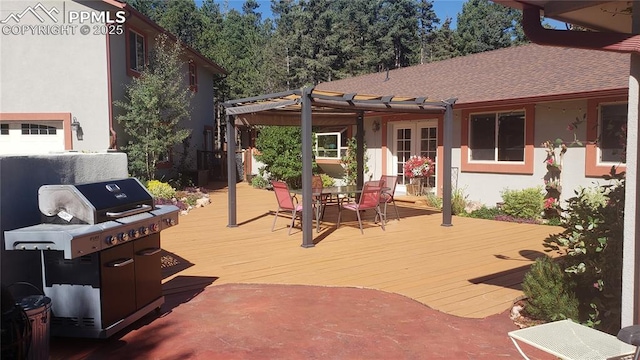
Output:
(308, 107)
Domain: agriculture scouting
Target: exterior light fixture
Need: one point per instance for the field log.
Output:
(75, 124)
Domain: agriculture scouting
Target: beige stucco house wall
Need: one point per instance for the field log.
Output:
(56, 69)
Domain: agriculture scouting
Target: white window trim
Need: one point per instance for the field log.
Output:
(339, 149)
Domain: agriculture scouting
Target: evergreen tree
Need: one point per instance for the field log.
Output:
(443, 44)
(156, 109)
(182, 19)
(397, 30)
(427, 19)
(354, 28)
(484, 26)
(149, 8)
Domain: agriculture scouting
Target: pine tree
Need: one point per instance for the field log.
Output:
(484, 26)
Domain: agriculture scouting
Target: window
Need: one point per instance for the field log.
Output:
(331, 145)
(497, 137)
(498, 141)
(606, 121)
(136, 51)
(612, 137)
(35, 129)
(4, 129)
(193, 76)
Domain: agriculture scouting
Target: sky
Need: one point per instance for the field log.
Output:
(442, 8)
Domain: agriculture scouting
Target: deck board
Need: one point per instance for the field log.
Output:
(473, 268)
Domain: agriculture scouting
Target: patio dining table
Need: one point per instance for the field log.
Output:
(339, 192)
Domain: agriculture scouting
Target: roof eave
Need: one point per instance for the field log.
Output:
(217, 69)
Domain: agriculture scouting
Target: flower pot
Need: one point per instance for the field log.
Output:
(414, 187)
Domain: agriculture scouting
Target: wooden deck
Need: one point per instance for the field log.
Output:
(472, 269)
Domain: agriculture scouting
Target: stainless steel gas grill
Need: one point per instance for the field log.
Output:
(100, 254)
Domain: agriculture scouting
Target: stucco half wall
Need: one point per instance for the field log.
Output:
(20, 178)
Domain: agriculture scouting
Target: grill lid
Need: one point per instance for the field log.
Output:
(92, 203)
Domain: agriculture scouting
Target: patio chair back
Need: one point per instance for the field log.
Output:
(283, 195)
(320, 200)
(370, 197)
(285, 202)
(389, 181)
(316, 182)
(387, 196)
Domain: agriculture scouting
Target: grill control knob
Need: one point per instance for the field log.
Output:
(112, 240)
(123, 237)
(133, 233)
(144, 230)
(170, 222)
(154, 227)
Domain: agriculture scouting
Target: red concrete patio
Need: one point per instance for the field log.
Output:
(245, 321)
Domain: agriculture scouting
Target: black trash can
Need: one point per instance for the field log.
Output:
(38, 310)
(15, 330)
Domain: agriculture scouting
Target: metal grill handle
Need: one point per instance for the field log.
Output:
(121, 263)
(149, 252)
(138, 210)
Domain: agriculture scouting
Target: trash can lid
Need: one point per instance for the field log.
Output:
(34, 302)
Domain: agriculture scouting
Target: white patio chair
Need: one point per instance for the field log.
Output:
(571, 341)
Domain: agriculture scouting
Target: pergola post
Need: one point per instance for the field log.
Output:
(631, 234)
(307, 205)
(360, 149)
(446, 165)
(231, 170)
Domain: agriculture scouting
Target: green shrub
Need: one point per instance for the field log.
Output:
(458, 201)
(593, 196)
(259, 182)
(591, 246)
(525, 204)
(433, 200)
(484, 212)
(327, 180)
(553, 222)
(160, 189)
(280, 150)
(549, 291)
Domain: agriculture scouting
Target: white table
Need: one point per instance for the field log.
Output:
(571, 341)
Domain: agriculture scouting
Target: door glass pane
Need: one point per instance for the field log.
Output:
(403, 152)
(429, 148)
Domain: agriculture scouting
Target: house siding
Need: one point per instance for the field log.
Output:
(57, 74)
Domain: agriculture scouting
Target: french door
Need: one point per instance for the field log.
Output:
(415, 138)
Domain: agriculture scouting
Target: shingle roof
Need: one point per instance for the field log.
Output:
(527, 71)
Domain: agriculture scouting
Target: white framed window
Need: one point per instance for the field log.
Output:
(193, 76)
(4, 129)
(37, 129)
(612, 122)
(136, 51)
(331, 145)
(497, 137)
